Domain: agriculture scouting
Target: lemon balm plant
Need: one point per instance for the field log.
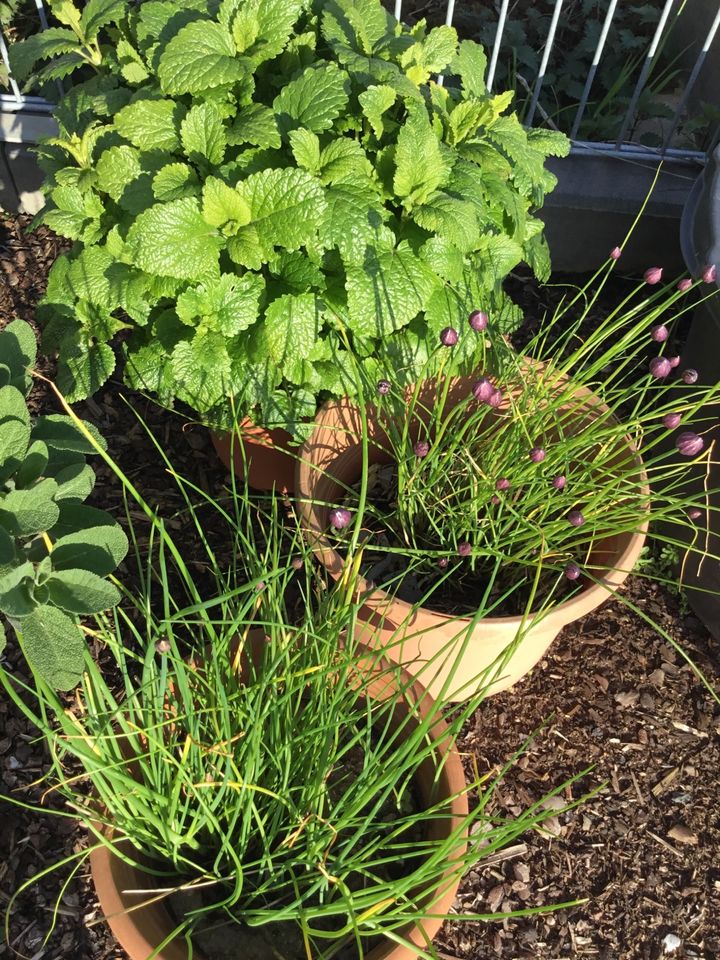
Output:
(236, 175)
(515, 498)
(246, 770)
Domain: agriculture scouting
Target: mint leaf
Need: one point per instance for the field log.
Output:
(40, 46)
(450, 218)
(116, 168)
(314, 100)
(175, 180)
(290, 328)
(173, 240)
(344, 159)
(228, 306)
(306, 149)
(201, 57)
(203, 134)
(201, 368)
(420, 167)
(470, 65)
(99, 13)
(87, 278)
(151, 124)
(375, 101)
(431, 55)
(83, 371)
(245, 249)
(354, 215)
(286, 206)
(254, 124)
(222, 204)
(388, 291)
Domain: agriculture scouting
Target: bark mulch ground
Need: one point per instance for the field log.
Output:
(643, 854)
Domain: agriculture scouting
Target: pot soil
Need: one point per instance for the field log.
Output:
(141, 920)
(452, 655)
(268, 455)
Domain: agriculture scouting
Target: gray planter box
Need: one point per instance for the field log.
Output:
(20, 176)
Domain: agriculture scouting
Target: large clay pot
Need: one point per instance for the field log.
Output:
(142, 929)
(268, 453)
(452, 656)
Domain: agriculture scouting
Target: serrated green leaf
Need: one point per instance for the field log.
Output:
(286, 206)
(275, 22)
(86, 277)
(132, 65)
(173, 240)
(431, 55)
(151, 123)
(444, 258)
(415, 181)
(228, 306)
(54, 646)
(255, 124)
(222, 204)
(375, 101)
(314, 100)
(116, 168)
(358, 24)
(24, 513)
(470, 65)
(82, 592)
(550, 142)
(451, 218)
(387, 291)
(496, 256)
(81, 373)
(467, 117)
(203, 134)
(201, 368)
(201, 57)
(40, 46)
(293, 272)
(344, 159)
(306, 149)
(354, 215)
(99, 13)
(245, 249)
(174, 181)
(290, 328)
(97, 549)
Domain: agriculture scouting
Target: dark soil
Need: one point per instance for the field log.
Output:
(643, 854)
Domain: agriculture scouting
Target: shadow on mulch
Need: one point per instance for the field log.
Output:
(645, 851)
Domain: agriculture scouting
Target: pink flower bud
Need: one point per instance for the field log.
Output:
(297, 563)
(478, 320)
(464, 549)
(162, 646)
(690, 376)
(421, 448)
(684, 285)
(572, 571)
(502, 484)
(495, 398)
(339, 518)
(674, 361)
(575, 518)
(383, 387)
(660, 367)
(448, 337)
(495, 500)
(483, 390)
(694, 513)
(660, 333)
(443, 563)
(672, 420)
(709, 274)
(559, 482)
(689, 444)
(653, 275)
(537, 454)
(615, 253)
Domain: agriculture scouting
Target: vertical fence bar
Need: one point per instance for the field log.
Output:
(41, 14)
(543, 65)
(691, 81)
(6, 60)
(644, 73)
(496, 46)
(398, 10)
(593, 69)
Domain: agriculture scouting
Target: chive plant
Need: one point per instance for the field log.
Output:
(230, 744)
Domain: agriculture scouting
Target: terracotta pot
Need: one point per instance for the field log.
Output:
(451, 656)
(140, 931)
(268, 454)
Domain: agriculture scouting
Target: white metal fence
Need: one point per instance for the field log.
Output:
(16, 101)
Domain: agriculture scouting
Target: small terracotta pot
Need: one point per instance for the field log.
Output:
(268, 454)
(452, 657)
(141, 930)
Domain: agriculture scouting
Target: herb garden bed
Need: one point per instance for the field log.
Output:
(644, 852)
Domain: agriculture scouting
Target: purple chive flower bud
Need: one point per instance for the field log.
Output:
(572, 571)
(689, 444)
(443, 562)
(478, 320)
(449, 337)
(383, 387)
(684, 285)
(690, 375)
(339, 518)
(709, 274)
(575, 518)
(495, 500)
(653, 275)
(674, 361)
(162, 646)
(660, 333)
(297, 563)
(672, 420)
(537, 454)
(483, 390)
(495, 398)
(694, 513)
(421, 448)
(464, 549)
(502, 484)
(615, 253)
(559, 482)
(660, 367)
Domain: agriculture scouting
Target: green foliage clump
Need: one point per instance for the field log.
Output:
(55, 550)
(255, 186)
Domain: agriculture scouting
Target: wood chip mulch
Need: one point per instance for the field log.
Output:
(643, 853)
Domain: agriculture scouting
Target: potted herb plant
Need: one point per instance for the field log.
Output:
(235, 176)
(498, 506)
(256, 775)
(55, 550)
